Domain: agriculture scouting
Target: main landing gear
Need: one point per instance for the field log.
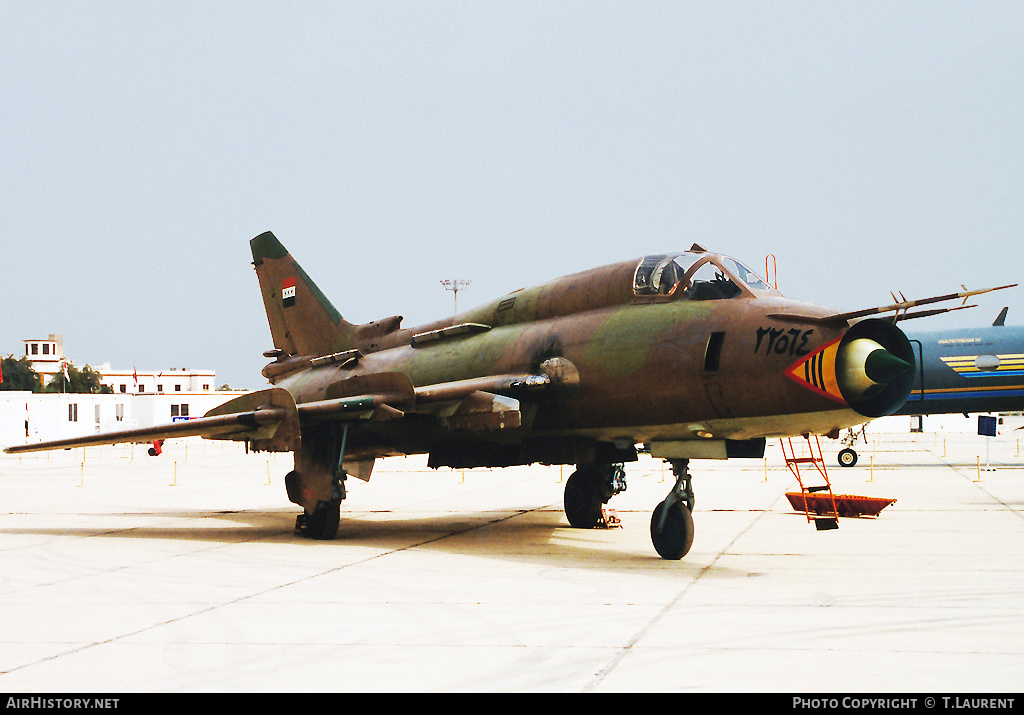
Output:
(592, 485)
(321, 519)
(317, 483)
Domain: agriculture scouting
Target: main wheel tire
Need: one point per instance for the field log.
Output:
(293, 487)
(582, 500)
(674, 539)
(323, 523)
(847, 457)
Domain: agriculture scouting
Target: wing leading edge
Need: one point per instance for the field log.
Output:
(254, 416)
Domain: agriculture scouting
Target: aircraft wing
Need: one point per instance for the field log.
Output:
(265, 415)
(270, 419)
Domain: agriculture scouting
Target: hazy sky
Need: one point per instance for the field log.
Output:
(389, 145)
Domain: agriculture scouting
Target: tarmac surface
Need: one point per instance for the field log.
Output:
(123, 573)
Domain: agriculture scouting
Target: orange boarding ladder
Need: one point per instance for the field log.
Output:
(824, 517)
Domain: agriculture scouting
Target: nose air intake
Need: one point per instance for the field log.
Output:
(871, 369)
(864, 367)
(875, 368)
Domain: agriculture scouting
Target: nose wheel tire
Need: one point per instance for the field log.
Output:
(672, 530)
(847, 457)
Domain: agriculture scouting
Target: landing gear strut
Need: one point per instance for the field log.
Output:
(318, 484)
(848, 456)
(322, 521)
(672, 522)
(588, 488)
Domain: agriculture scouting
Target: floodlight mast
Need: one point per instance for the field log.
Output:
(455, 285)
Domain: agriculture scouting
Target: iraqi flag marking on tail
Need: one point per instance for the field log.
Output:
(288, 292)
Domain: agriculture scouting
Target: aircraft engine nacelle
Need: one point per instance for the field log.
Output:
(870, 369)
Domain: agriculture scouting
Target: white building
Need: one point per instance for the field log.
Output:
(172, 381)
(26, 417)
(142, 398)
(47, 358)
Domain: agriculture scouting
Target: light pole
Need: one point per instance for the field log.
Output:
(455, 286)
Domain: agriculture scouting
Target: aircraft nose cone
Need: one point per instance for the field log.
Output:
(882, 366)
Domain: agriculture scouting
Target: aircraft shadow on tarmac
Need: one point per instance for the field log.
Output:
(538, 536)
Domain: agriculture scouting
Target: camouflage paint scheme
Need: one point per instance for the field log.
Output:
(690, 355)
(593, 369)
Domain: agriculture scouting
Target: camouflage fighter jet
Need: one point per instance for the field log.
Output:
(690, 355)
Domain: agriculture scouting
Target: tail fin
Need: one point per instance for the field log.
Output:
(302, 320)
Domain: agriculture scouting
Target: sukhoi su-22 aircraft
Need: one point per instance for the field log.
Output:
(689, 355)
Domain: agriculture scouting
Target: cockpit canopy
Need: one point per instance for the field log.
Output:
(695, 276)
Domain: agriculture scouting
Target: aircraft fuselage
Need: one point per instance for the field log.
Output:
(703, 371)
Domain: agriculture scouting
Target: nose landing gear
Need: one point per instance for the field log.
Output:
(672, 521)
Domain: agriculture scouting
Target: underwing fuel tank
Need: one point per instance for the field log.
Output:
(870, 368)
